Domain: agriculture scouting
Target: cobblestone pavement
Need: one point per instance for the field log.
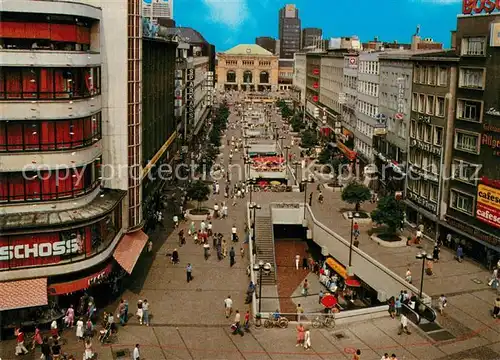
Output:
(188, 320)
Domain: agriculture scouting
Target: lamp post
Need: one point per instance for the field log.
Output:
(281, 144)
(296, 165)
(261, 267)
(287, 147)
(254, 207)
(422, 256)
(351, 216)
(305, 182)
(251, 183)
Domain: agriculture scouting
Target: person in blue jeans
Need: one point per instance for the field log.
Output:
(398, 306)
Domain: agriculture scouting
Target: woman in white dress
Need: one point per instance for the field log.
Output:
(79, 329)
(88, 354)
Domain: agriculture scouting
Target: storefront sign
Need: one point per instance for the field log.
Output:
(470, 7)
(488, 205)
(350, 154)
(491, 141)
(426, 147)
(493, 112)
(190, 96)
(426, 204)
(39, 250)
(352, 62)
(80, 284)
(401, 97)
(491, 128)
(473, 231)
(337, 267)
(424, 118)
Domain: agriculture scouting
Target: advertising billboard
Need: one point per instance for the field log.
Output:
(488, 205)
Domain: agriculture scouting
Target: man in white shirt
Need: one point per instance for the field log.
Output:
(233, 232)
(404, 325)
(203, 226)
(228, 306)
(216, 210)
(237, 323)
(136, 355)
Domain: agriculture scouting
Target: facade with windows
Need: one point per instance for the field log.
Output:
(313, 86)
(70, 144)
(289, 31)
(473, 212)
(299, 79)
(430, 140)
(348, 99)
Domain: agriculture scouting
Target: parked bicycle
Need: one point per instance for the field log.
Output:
(280, 322)
(327, 321)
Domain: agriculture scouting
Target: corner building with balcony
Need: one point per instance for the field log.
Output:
(70, 150)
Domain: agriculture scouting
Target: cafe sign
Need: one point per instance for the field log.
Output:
(471, 7)
(426, 147)
(488, 205)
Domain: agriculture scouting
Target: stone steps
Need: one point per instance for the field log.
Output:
(265, 246)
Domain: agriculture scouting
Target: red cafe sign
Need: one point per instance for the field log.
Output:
(80, 284)
(480, 6)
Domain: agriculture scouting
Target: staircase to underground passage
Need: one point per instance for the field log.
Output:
(264, 243)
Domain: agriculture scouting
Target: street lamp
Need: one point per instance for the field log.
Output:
(261, 267)
(287, 147)
(251, 183)
(351, 216)
(281, 143)
(254, 207)
(296, 165)
(305, 182)
(423, 256)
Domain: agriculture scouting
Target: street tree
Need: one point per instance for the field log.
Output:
(325, 155)
(309, 139)
(389, 212)
(198, 191)
(356, 193)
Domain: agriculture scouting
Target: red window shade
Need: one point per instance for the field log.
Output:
(63, 137)
(46, 83)
(37, 31)
(2, 85)
(77, 131)
(13, 30)
(63, 32)
(64, 183)
(49, 188)
(48, 135)
(78, 178)
(87, 128)
(13, 83)
(3, 138)
(29, 84)
(4, 188)
(16, 186)
(14, 136)
(31, 136)
(63, 84)
(33, 186)
(82, 35)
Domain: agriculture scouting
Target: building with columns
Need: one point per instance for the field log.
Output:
(247, 67)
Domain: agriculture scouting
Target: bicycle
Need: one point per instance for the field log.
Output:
(327, 321)
(281, 322)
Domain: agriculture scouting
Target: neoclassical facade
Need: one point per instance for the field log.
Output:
(247, 67)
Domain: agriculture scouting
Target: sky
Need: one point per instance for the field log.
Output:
(227, 23)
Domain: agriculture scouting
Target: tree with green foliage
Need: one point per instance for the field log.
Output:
(286, 112)
(296, 122)
(389, 212)
(214, 137)
(356, 193)
(309, 139)
(198, 191)
(325, 155)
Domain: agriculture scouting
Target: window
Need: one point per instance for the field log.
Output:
(424, 189)
(433, 192)
(427, 133)
(416, 73)
(414, 102)
(420, 131)
(421, 103)
(442, 76)
(434, 164)
(423, 74)
(465, 171)
(469, 110)
(429, 105)
(402, 130)
(438, 136)
(431, 75)
(413, 129)
(467, 141)
(440, 106)
(461, 201)
(472, 78)
(474, 46)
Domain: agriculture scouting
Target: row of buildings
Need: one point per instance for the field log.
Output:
(96, 102)
(423, 121)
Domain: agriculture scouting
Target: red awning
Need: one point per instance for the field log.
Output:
(129, 249)
(23, 294)
(353, 283)
(80, 284)
(329, 301)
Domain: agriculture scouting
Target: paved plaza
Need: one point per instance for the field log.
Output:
(188, 319)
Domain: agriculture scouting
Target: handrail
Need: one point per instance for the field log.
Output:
(274, 246)
(251, 258)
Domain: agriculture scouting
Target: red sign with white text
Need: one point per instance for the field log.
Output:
(488, 214)
(480, 6)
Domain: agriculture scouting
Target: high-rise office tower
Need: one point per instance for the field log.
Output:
(158, 10)
(311, 37)
(289, 31)
(267, 43)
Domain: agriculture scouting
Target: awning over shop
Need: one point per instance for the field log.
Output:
(80, 284)
(129, 249)
(23, 294)
(337, 267)
(350, 154)
(353, 282)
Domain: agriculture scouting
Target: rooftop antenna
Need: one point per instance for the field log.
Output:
(418, 30)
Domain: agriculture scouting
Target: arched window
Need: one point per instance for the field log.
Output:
(247, 76)
(264, 77)
(231, 76)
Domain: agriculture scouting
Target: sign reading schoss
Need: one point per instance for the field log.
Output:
(488, 205)
(40, 250)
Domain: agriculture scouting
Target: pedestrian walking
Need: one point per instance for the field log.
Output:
(300, 311)
(403, 326)
(209, 229)
(300, 335)
(357, 355)
(150, 247)
(79, 329)
(385, 357)
(232, 256)
(20, 348)
(408, 276)
(435, 253)
(237, 324)
(176, 221)
(45, 349)
(228, 306)
(189, 272)
(234, 234)
(192, 229)
(56, 350)
(305, 288)
(307, 339)
(297, 261)
(136, 355)
(398, 306)
(246, 323)
(139, 313)
(460, 253)
(203, 225)
(320, 296)
(442, 303)
(224, 248)
(242, 252)
(496, 307)
(145, 312)
(70, 316)
(88, 353)
(310, 199)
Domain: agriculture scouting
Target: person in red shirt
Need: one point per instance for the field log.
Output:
(20, 348)
(247, 321)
